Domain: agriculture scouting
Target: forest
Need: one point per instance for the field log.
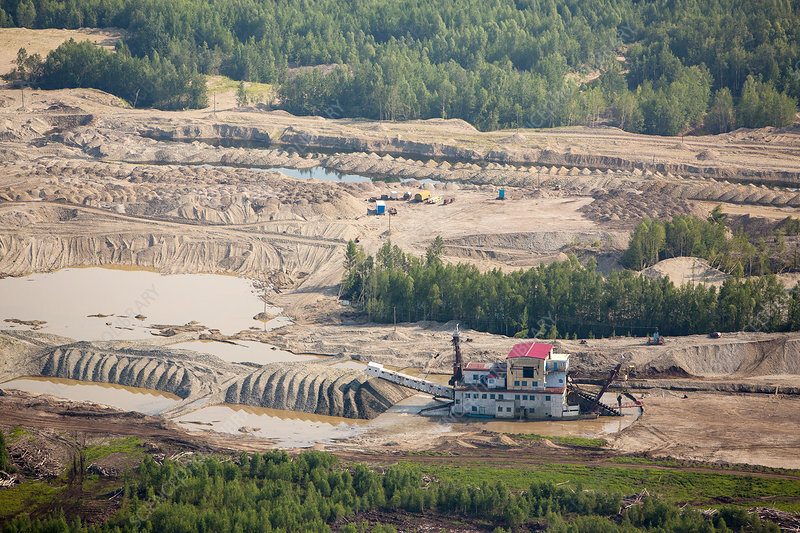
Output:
(569, 300)
(559, 300)
(148, 82)
(663, 67)
(734, 252)
(313, 491)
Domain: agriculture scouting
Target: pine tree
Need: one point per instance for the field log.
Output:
(241, 95)
(26, 14)
(722, 116)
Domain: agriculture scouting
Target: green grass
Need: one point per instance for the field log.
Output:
(25, 497)
(676, 486)
(16, 433)
(128, 446)
(654, 462)
(221, 84)
(735, 467)
(571, 441)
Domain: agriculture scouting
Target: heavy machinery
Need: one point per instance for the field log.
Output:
(655, 339)
(590, 401)
(458, 363)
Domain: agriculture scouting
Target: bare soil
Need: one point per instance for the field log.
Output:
(43, 41)
(88, 181)
(732, 428)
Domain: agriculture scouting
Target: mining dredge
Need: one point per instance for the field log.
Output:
(532, 383)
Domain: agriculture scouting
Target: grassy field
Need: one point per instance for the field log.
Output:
(570, 441)
(128, 445)
(705, 489)
(26, 496)
(224, 90)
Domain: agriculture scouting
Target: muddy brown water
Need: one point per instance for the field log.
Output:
(147, 401)
(66, 298)
(292, 429)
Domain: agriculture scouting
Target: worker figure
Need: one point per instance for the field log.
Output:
(619, 400)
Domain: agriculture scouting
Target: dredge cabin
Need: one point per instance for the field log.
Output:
(531, 383)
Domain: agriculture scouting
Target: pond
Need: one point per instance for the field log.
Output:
(321, 173)
(294, 429)
(288, 429)
(147, 401)
(122, 304)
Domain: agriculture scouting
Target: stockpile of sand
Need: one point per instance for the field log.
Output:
(737, 359)
(316, 388)
(152, 368)
(629, 208)
(313, 387)
(210, 195)
(535, 242)
(686, 270)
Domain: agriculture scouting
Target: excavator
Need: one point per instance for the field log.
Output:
(655, 339)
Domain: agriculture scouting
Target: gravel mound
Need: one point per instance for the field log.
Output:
(629, 208)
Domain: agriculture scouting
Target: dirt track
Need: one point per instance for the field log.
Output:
(39, 412)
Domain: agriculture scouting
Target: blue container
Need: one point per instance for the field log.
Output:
(502, 194)
(381, 207)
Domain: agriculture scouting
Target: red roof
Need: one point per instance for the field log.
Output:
(478, 366)
(538, 350)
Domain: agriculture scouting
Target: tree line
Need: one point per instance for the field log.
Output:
(312, 492)
(562, 299)
(142, 82)
(735, 253)
(655, 67)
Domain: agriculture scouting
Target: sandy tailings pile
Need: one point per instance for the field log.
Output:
(316, 389)
(152, 368)
(174, 219)
(644, 192)
(313, 387)
(746, 362)
(771, 357)
(662, 193)
(626, 207)
(686, 269)
(537, 242)
(212, 195)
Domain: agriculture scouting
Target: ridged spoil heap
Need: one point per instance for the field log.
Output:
(314, 388)
(149, 369)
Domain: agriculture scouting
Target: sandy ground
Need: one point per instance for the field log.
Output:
(756, 429)
(87, 181)
(686, 269)
(42, 41)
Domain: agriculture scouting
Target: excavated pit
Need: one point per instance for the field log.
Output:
(311, 387)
